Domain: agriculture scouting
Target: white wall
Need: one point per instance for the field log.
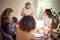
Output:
(46, 4)
(55, 4)
(16, 5)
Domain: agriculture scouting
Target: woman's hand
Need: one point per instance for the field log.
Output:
(31, 14)
(23, 14)
(9, 37)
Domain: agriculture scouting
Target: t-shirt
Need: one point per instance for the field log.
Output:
(27, 11)
(47, 21)
(8, 28)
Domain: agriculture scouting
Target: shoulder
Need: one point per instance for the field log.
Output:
(23, 8)
(50, 19)
(31, 8)
(9, 24)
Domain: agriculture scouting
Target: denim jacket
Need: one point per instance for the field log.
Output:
(8, 28)
(11, 28)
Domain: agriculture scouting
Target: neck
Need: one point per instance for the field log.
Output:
(26, 8)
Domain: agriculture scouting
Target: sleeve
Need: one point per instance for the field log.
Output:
(32, 12)
(22, 10)
(10, 28)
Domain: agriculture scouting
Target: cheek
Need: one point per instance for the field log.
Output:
(59, 17)
(44, 14)
(11, 17)
(28, 6)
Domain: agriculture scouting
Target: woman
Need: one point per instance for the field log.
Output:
(58, 20)
(27, 10)
(26, 25)
(6, 24)
(47, 18)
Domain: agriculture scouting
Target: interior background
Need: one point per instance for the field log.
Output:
(17, 6)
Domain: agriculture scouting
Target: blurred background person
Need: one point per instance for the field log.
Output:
(7, 25)
(58, 17)
(26, 25)
(47, 18)
(15, 22)
(58, 20)
(27, 10)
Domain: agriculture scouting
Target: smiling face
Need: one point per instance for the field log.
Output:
(27, 6)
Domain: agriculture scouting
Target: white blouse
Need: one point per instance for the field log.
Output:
(47, 21)
(27, 11)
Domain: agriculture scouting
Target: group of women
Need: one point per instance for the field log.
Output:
(26, 24)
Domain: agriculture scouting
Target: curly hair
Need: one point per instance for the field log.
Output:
(27, 23)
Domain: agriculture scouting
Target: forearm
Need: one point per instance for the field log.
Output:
(22, 14)
(31, 14)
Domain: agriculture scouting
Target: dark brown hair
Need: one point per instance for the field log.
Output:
(5, 14)
(27, 23)
(27, 3)
(49, 13)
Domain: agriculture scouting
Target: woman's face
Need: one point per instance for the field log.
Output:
(10, 16)
(45, 14)
(27, 6)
